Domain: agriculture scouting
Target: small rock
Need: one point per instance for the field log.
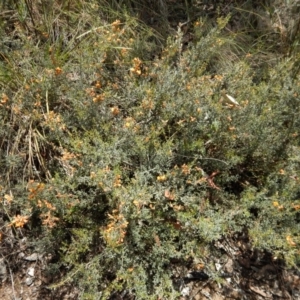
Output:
(23, 240)
(228, 280)
(30, 272)
(3, 270)
(229, 266)
(185, 291)
(29, 281)
(32, 257)
(218, 266)
(235, 294)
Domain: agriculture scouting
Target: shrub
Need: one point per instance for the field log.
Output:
(126, 165)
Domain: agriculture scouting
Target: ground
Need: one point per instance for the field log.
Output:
(243, 273)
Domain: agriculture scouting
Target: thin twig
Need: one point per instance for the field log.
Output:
(92, 30)
(12, 283)
(204, 158)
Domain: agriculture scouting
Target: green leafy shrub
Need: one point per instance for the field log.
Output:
(126, 165)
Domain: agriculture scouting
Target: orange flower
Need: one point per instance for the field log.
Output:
(118, 181)
(58, 71)
(185, 169)
(49, 205)
(290, 241)
(161, 178)
(115, 110)
(199, 266)
(49, 220)
(169, 195)
(4, 99)
(129, 122)
(115, 25)
(99, 98)
(98, 84)
(296, 206)
(19, 221)
(157, 240)
(8, 198)
(137, 65)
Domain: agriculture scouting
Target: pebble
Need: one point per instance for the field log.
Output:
(3, 270)
(185, 291)
(218, 266)
(32, 257)
(29, 281)
(30, 272)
